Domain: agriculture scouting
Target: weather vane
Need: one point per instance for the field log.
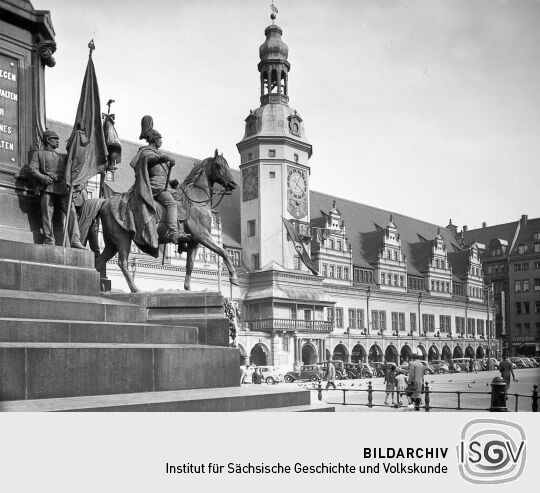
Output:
(274, 11)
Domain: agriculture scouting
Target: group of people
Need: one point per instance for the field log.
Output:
(152, 169)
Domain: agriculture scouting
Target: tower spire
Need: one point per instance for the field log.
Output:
(274, 66)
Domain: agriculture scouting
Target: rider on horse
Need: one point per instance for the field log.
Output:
(152, 171)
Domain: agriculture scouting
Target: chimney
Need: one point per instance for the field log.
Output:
(484, 224)
(524, 219)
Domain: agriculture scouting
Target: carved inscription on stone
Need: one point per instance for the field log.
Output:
(9, 110)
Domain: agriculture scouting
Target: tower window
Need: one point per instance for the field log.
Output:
(255, 261)
(296, 158)
(109, 176)
(250, 156)
(272, 174)
(271, 153)
(251, 229)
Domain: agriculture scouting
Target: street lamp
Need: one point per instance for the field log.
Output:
(419, 314)
(368, 294)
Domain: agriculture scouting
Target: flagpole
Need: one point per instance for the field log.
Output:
(68, 213)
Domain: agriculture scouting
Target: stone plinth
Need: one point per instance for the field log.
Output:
(202, 310)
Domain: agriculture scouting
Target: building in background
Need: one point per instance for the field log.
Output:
(387, 285)
(511, 261)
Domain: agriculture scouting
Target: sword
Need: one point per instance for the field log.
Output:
(166, 188)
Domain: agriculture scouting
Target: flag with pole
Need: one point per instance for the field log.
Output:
(299, 246)
(86, 148)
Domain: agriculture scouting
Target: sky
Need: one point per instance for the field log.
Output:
(429, 108)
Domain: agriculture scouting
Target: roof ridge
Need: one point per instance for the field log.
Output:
(381, 210)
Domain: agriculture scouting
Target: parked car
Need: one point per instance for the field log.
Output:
(484, 363)
(306, 372)
(461, 363)
(378, 367)
(341, 373)
(529, 361)
(366, 371)
(429, 370)
(271, 374)
(519, 362)
(439, 366)
(537, 359)
(533, 362)
(352, 371)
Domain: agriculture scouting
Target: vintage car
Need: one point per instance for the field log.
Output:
(306, 372)
(271, 374)
(439, 366)
(341, 372)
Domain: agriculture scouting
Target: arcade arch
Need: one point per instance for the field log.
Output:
(446, 353)
(480, 353)
(259, 354)
(458, 352)
(433, 353)
(358, 354)
(375, 353)
(309, 354)
(469, 352)
(244, 360)
(421, 350)
(391, 354)
(406, 353)
(340, 353)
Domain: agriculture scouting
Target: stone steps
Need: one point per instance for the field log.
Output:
(39, 330)
(229, 399)
(31, 370)
(57, 306)
(47, 278)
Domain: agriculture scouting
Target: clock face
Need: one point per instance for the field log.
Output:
(297, 184)
(297, 189)
(250, 183)
(297, 208)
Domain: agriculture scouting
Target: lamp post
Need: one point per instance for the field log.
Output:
(368, 294)
(419, 314)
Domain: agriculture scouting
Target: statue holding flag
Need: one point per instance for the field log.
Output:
(47, 169)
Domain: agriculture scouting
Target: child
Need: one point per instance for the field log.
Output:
(401, 385)
(390, 380)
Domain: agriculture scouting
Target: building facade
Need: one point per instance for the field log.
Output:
(511, 261)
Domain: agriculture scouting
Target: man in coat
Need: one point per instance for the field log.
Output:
(330, 375)
(416, 378)
(47, 168)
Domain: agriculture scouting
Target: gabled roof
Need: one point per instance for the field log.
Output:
(526, 232)
(485, 235)
(366, 236)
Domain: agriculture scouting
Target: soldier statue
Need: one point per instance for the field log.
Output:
(47, 168)
(152, 173)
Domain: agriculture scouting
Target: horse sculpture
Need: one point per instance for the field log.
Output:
(194, 198)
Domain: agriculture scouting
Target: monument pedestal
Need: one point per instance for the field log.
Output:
(64, 346)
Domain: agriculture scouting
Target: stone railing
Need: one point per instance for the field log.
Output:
(289, 324)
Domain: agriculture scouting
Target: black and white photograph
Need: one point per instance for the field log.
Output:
(289, 212)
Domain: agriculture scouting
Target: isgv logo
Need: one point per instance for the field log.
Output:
(491, 451)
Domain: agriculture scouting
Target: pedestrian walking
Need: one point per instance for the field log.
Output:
(472, 367)
(416, 380)
(505, 367)
(390, 380)
(401, 385)
(330, 375)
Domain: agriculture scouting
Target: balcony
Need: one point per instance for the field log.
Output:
(303, 228)
(270, 324)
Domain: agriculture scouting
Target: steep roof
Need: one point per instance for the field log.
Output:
(364, 223)
(485, 235)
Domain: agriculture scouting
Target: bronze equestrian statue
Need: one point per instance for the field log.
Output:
(135, 216)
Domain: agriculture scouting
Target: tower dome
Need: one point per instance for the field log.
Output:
(273, 47)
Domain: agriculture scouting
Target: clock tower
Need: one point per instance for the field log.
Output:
(274, 154)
